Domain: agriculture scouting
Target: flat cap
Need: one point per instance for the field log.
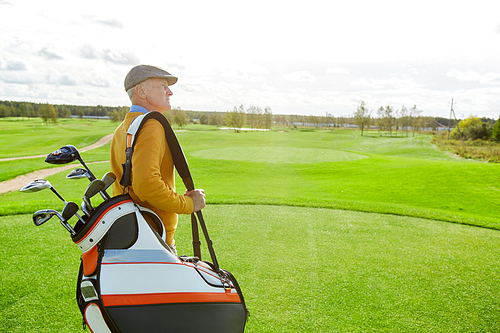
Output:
(141, 73)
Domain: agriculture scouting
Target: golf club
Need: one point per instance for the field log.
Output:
(108, 179)
(42, 184)
(67, 154)
(70, 209)
(78, 173)
(94, 187)
(44, 215)
(85, 209)
(40, 217)
(38, 185)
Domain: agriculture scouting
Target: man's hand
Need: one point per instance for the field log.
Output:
(198, 197)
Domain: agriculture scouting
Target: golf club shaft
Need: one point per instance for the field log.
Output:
(66, 225)
(92, 177)
(58, 195)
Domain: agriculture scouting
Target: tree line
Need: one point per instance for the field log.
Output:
(386, 119)
(51, 113)
(391, 121)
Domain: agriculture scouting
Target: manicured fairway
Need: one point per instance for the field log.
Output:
(20, 137)
(388, 261)
(301, 269)
(278, 154)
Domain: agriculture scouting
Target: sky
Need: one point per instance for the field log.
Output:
(296, 57)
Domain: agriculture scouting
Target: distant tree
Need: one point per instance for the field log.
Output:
(389, 116)
(268, 117)
(254, 116)
(118, 115)
(403, 115)
(215, 119)
(64, 112)
(180, 117)
(495, 135)
(381, 120)
(204, 119)
(472, 128)
(48, 112)
(236, 118)
(362, 116)
(4, 111)
(415, 118)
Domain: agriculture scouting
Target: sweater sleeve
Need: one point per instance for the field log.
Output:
(153, 178)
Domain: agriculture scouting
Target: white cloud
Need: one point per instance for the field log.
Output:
(472, 76)
(463, 76)
(490, 78)
(222, 58)
(392, 82)
(17, 78)
(338, 70)
(49, 54)
(67, 81)
(113, 23)
(300, 76)
(14, 65)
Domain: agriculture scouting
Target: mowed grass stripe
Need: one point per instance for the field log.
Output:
(456, 191)
(277, 154)
(301, 270)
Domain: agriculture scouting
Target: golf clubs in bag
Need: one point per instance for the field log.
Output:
(129, 279)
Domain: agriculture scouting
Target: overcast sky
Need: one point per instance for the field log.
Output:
(307, 57)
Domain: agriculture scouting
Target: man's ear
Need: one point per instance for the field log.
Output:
(140, 90)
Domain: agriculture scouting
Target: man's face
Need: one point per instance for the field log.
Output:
(158, 94)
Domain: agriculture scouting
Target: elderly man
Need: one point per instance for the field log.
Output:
(153, 181)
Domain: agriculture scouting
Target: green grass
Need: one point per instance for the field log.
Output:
(383, 263)
(301, 270)
(33, 137)
(431, 184)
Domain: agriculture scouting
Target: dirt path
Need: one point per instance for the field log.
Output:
(18, 182)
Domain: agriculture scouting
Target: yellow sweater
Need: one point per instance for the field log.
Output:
(153, 178)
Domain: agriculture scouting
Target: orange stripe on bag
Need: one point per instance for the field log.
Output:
(164, 298)
(129, 140)
(89, 259)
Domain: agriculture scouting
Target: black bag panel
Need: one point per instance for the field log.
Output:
(182, 317)
(123, 234)
(154, 219)
(82, 229)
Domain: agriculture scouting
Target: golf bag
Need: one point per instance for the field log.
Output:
(129, 279)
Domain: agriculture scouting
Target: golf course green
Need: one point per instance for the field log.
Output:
(325, 230)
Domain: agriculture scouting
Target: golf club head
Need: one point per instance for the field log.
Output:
(108, 179)
(70, 209)
(94, 187)
(85, 209)
(78, 173)
(36, 185)
(41, 216)
(63, 155)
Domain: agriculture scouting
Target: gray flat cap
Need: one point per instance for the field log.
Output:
(141, 73)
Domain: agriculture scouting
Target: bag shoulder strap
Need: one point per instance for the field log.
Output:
(178, 157)
(181, 166)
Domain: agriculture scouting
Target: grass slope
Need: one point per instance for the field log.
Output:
(301, 270)
(20, 137)
(431, 184)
